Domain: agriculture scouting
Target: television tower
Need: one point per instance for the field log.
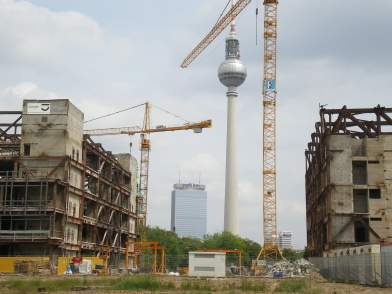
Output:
(231, 73)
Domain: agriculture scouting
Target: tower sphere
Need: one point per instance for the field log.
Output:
(232, 72)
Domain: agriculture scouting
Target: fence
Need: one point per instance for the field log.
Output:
(372, 269)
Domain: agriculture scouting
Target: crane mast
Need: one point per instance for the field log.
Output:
(144, 164)
(270, 248)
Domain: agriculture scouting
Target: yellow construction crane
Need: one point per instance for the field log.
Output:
(145, 147)
(270, 248)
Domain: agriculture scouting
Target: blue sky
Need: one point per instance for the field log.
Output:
(106, 56)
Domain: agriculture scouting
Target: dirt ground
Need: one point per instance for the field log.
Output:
(314, 280)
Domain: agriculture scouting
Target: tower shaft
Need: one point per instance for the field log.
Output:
(231, 221)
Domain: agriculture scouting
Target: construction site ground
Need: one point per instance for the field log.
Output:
(316, 283)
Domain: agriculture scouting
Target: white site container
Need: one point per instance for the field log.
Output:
(207, 264)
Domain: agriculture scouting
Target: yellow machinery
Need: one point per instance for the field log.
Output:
(104, 254)
(145, 147)
(270, 248)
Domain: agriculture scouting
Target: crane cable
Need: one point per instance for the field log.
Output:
(222, 12)
(170, 113)
(113, 113)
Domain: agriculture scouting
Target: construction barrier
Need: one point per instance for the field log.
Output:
(7, 263)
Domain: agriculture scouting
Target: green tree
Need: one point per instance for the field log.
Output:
(289, 254)
(190, 244)
(252, 248)
(169, 239)
(223, 240)
(305, 254)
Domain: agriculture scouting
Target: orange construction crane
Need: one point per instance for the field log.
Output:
(145, 147)
(270, 248)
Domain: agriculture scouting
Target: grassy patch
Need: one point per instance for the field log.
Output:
(149, 283)
(292, 286)
(23, 285)
(247, 285)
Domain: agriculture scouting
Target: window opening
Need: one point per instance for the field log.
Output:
(360, 201)
(361, 233)
(27, 149)
(374, 194)
(376, 219)
(359, 173)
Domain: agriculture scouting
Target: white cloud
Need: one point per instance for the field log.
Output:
(201, 162)
(11, 98)
(48, 42)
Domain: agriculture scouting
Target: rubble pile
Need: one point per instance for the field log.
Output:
(300, 267)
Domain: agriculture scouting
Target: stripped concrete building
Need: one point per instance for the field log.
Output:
(61, 194)
(348, 179)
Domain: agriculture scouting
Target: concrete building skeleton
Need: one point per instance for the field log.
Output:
(348, 179)
(61, 194)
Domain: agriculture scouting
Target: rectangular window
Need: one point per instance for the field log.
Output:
(77, 155)
(376, 219)
(373, 162)
(374, 194)
(44, 119)
(27, 149)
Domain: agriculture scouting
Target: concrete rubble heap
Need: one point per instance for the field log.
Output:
(301, 267)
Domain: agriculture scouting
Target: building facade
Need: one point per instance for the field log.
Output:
(284, 239)
(61, 194)
(348, 179)
(189, 210)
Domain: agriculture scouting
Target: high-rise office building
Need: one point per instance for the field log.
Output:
(189, 210)
(284, 239)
